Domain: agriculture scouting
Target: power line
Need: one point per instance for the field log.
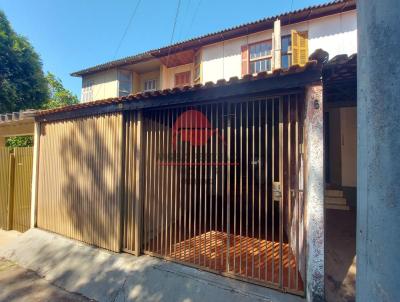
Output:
(291, 8)
(173, 29)
(194, 15)
(185, 20)
(127, 27)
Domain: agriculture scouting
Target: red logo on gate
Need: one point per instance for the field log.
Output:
(193, 126)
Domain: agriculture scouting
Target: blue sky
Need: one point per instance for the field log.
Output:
(71, 35)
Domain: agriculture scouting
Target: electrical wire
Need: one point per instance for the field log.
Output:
(291, 8)
(173, 30)
(185, 21)
(127, 27)
(194, 16)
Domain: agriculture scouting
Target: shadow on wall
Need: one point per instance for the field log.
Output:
(91, 157)
(80, 189)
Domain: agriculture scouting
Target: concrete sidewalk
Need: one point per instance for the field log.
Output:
(7, 237)
(106, 276)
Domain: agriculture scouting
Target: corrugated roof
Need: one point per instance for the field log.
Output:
(28, 114)
(311, 12)
(295, 69)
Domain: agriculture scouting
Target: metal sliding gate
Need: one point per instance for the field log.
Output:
(223, 189)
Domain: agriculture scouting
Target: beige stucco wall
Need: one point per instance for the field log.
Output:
(348, 128)
(105, 84)
(335, 34)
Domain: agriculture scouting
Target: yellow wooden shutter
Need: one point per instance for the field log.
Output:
(303, 48)
(299, 47)
(295, 48)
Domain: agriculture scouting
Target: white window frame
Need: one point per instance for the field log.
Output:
(87, 91)
(288, 52)
(153, 85)
(261, 58)
(129, 81)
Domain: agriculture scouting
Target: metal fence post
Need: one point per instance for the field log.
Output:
(139, 184)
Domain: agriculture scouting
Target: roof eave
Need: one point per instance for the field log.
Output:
(261, 84)
(297, 16)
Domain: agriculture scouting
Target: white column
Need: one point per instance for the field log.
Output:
(277, 45)
(378, 166)
(35, 170)
(314, 194)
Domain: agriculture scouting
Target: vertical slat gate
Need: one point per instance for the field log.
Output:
(133, 183)
(22, 188)
(223, 188)
(15, 188)
(79, 179)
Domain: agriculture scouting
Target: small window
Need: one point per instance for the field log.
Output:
(286, 43)
(87, 91)
(260, 56)
(124, 82)
(150, 85)
(182, 79)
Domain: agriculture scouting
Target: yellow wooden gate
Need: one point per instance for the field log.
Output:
(15, 188)
(4, 186)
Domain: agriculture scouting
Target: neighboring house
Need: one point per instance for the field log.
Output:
(264, 45)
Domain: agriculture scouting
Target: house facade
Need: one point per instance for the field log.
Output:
(224, 152)
(265, 45)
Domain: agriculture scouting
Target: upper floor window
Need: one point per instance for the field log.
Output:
(286, 44)
(260, 56)
(150, 85)
(87, 91)
(182, 79)
(124, 82)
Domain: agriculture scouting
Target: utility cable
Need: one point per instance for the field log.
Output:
(127, 27)
(173, 30)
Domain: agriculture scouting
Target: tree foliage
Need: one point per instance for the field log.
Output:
(20, 141)
(22, 82)
(59, 96)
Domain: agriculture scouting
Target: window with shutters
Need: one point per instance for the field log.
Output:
(299, 47)
(197, 68)
(260, 56)
(182, 79)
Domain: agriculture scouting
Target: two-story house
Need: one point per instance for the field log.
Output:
(216, 152)
(264, 45)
